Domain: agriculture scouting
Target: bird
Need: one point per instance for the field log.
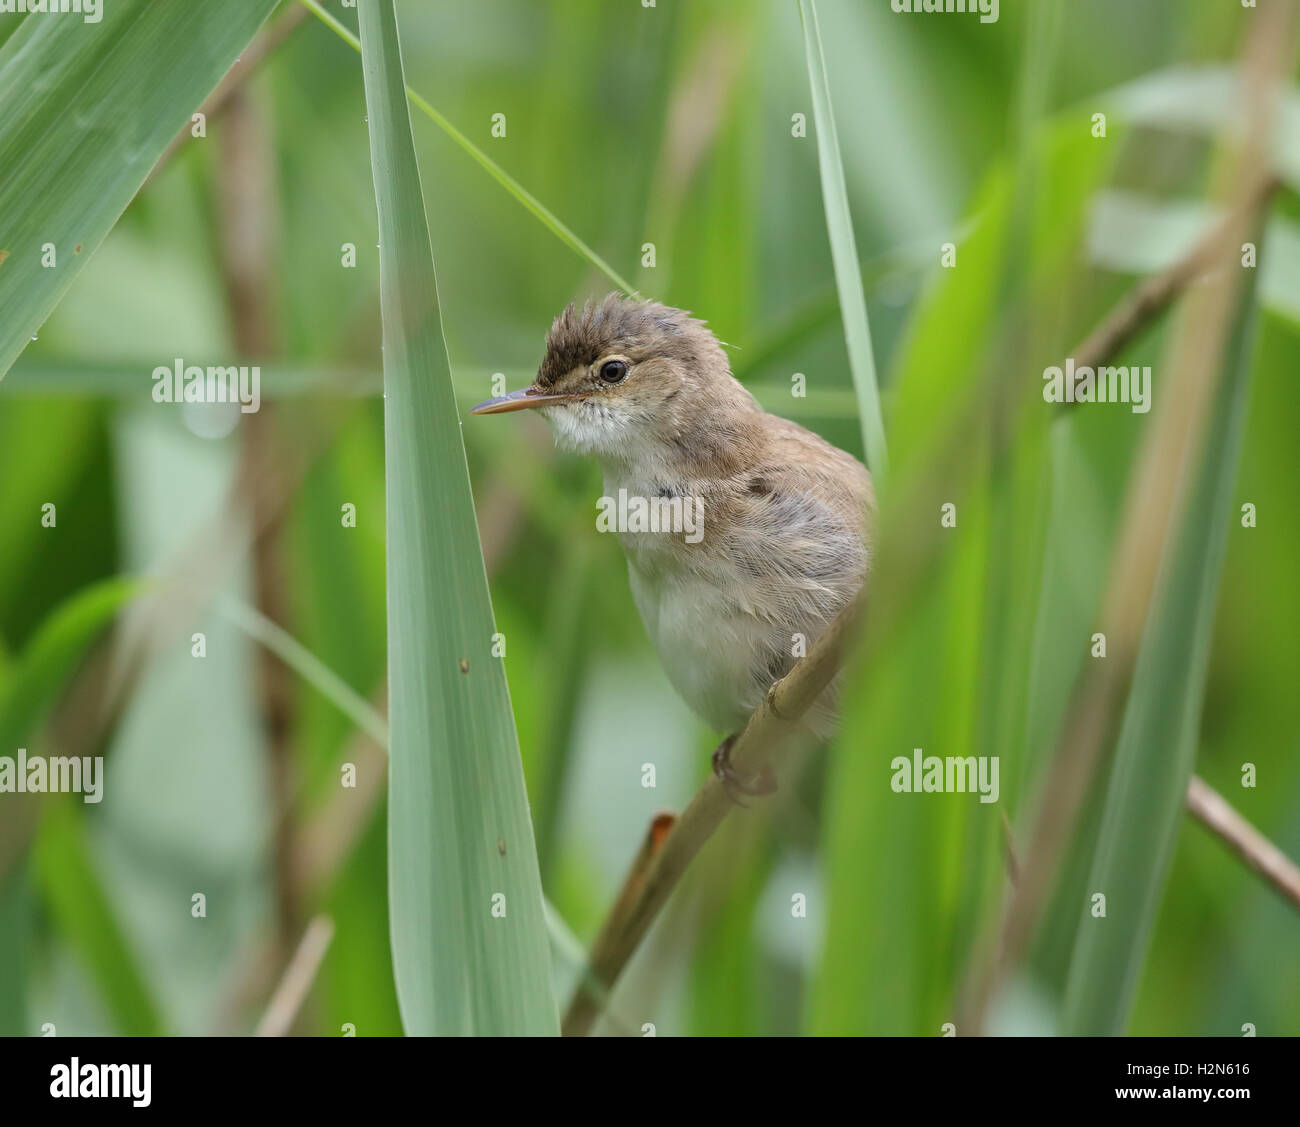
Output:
(781, 538)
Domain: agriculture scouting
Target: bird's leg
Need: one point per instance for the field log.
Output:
(735, 784)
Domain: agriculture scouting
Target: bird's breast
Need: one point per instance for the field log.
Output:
(708, 640)
(730, 603)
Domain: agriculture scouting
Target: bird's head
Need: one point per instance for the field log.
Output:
(622, 378)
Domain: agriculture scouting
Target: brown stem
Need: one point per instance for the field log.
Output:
(588, 1000)
(760, 742)
(1212, 810)
(1152, 296)
(246, 225)
(1009, 838)
(295, 985)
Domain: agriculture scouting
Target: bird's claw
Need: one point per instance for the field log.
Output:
(733, 783)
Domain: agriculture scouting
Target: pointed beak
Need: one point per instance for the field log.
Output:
(519, 401)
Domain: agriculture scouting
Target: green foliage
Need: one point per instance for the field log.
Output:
(469, 940)
(844, 251)
(1156, 753)
(86, 119)
(29, 688)
(822, 255)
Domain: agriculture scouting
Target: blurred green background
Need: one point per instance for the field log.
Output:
(669, 125)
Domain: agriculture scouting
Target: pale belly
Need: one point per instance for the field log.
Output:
(730, 613)
(712, 648)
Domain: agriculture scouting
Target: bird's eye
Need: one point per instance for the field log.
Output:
(613, 371)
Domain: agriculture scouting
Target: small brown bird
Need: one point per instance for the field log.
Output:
(767, 523)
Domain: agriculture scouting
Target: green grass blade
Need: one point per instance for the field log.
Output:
(468, 930)
(89, 109)
(522, 195)
(31, 379)
(75, 898)
(308, 666)
(32, 682)
(41, 670)
(1156, 752)
(844, 252)
(367, 718)
(897, 938)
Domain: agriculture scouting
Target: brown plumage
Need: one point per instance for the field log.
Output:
(782, 543)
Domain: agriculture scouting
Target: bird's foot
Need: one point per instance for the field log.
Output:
(733, 782)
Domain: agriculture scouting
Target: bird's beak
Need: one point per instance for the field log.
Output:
(519, 401)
